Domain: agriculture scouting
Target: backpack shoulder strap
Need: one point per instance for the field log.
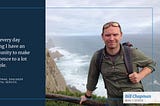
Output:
(127, 54)
(99, 59)
(127, 58)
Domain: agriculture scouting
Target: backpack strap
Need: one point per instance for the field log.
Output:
(127, 54)
(99, 59)
(128, 58)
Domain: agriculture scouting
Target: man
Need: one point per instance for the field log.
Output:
(113, 69)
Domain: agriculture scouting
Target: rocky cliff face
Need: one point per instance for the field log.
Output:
(54, 79)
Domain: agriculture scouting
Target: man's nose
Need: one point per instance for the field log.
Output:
(111, 37)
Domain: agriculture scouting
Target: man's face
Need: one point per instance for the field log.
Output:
(112, 37)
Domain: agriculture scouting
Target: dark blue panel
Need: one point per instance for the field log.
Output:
(22, 3)
(28, 25)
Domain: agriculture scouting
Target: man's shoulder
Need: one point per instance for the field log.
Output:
(98, 52)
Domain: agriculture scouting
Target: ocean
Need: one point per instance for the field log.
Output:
(78, 50)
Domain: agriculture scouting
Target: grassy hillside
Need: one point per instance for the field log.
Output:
(74, 94)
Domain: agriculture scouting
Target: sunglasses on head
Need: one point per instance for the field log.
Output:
(114, 24)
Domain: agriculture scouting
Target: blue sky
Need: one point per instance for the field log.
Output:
(73, 17)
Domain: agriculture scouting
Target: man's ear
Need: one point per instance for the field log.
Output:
(121, 34)
(102, 36)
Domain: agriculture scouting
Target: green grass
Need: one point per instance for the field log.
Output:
(74, 94)
(59, 103)
(78, 95)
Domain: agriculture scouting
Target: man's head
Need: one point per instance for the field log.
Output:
(112, 35)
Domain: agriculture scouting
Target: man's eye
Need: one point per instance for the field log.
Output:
(107, 34)
(115, 34)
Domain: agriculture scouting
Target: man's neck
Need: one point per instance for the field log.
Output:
(113, 51)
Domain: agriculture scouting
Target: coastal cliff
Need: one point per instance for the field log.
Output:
(54, 79)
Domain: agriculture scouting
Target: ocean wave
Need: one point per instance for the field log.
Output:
(61, 50)
(74, 67)
(156, 82)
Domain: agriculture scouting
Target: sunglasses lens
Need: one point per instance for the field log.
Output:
(106, 26)
(115, 24)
